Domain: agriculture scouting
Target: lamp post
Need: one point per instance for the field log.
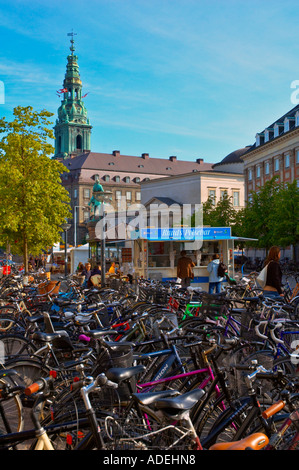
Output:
(65, 227)
(103, 196)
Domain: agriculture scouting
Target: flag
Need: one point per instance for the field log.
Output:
(62, 90)
(85, 95)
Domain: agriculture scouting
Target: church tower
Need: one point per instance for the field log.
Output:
(72, 129)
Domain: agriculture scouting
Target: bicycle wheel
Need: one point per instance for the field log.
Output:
(11, 410)
(16, 346)
(8, 319)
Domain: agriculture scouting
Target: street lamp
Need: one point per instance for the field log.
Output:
(65, 227)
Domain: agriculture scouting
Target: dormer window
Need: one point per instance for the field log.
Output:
(297, 119)
(259, 139)
(106, 178)
(137, 180)
(269, 133)
(127, 179)
(278, 128)
(116, 179)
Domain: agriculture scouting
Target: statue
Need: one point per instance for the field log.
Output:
(95, 201)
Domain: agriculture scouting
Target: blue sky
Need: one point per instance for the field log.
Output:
(191, 78)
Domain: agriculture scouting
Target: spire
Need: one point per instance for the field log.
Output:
(72, 129)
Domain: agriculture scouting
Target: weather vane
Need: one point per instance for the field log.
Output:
(72, 48)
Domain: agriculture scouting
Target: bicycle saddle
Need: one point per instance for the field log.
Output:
(147, 398)
(119, 374)
(182, 402)
(254, 442)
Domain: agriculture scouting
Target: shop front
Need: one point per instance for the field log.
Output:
(156, 252)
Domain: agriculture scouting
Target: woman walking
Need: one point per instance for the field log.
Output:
(273, 287)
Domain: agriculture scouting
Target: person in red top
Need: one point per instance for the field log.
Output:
(273, 287)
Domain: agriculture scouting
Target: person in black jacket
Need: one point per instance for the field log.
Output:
(273, 287)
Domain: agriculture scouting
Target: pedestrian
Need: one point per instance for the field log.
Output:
(112, 269)
(96, 270)
(87, 273)
(273, 287)
(184, 269)
(214, 279)
(96, 277)
(80, 268)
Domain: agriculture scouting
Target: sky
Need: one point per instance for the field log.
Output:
(190, 78)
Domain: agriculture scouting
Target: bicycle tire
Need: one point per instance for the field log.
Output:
(16, 346)
(11, 411)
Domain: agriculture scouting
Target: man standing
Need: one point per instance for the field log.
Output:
(184, 269)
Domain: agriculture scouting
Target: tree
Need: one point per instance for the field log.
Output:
(33, 201)
(258, 215)
(222, 214)
(285, 216)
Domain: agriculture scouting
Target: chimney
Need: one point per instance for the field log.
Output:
(199, 160)
(145, 156)
(116, 153)
(173, 158)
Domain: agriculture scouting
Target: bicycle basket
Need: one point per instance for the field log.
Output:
(133, 433)
(119, 356)
(212, 304)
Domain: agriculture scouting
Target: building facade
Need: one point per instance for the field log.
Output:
(275, 153)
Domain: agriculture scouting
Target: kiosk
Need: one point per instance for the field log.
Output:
(156, 251)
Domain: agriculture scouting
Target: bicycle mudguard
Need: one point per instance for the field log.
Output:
(253, 442)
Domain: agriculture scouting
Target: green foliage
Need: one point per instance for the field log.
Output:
(33, 200)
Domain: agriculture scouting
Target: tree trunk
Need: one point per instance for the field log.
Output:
(25, 254)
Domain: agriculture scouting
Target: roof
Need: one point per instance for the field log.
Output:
(289, 114)
(127, 163)
(233, 157)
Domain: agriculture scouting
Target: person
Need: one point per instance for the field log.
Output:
(95, 277)
(184, 269)
(87, 273)
(112, 269)
(273, 287)
(80, 268)
(96, 270)
(214, 279)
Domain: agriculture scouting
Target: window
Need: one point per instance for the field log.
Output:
(117, 194)
(297, 119)
(138, 196)
(75, 193)
(212, 195)
(267, 168)
(276, 167)
(137, 180)
(297, 157)
(127, 179)
(86, 193)
(287, 161)
(128, 195)
(236, 198)
(86, 216)
(106, 178)
(223, 193)
(258, 171)
(286, 125)
(249, 174)
(117, 179)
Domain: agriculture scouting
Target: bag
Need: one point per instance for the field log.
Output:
(262, 277)
(222, 268)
